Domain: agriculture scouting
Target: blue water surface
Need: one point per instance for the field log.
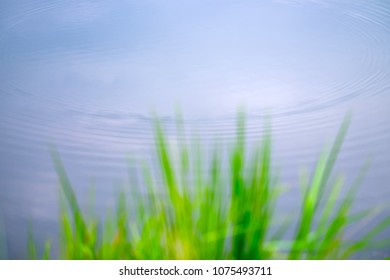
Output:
(87, 76)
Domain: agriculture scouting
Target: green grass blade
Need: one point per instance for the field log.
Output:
(3, 239)
(46, 252)
(201, 207)
(367, 239)
(32, 250)
(66, 187)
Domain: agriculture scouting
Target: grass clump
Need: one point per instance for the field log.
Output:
(225, 212)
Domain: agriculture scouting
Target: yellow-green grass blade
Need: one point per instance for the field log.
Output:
(365, 241)
(197, 214)
(313, 195)
(32, 250)
(66, 187)
(323, 223)
(46, 252)
(335, 229)
(166, 163)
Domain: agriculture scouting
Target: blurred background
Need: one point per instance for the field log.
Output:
(86, 76)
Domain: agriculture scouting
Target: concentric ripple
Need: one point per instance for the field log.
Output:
(88, 76)
(68, 61)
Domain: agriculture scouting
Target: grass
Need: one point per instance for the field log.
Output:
(226, 212)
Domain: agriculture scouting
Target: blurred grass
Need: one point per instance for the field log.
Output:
(183, 212)
(3, 242)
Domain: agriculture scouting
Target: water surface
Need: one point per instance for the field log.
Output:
(86, 76)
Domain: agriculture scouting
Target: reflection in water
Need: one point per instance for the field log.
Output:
(87, 75)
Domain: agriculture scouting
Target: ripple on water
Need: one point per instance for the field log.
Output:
(354, 55)
(84, 75)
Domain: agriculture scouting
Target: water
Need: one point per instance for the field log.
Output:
(86, 76)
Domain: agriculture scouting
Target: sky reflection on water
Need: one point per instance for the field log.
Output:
(86, 75)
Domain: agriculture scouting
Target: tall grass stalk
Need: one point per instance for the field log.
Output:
(227, 212)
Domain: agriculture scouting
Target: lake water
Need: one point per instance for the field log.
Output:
(87, 75)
